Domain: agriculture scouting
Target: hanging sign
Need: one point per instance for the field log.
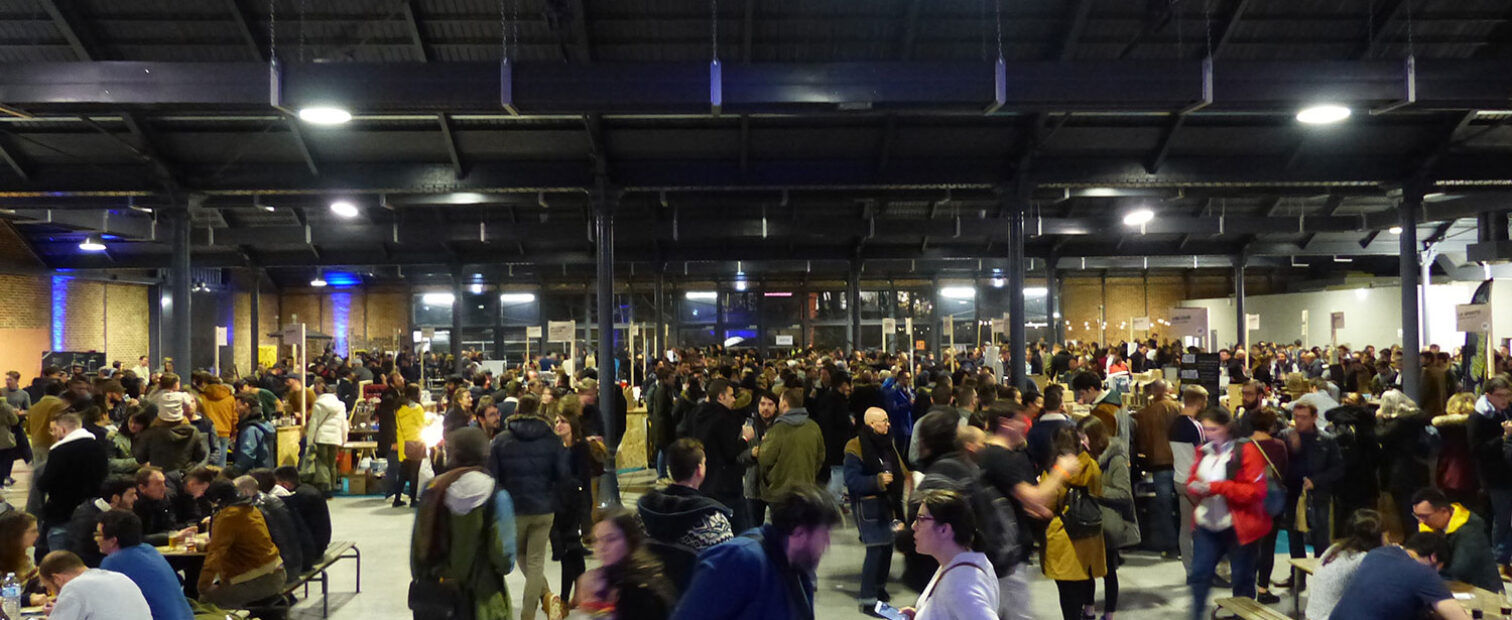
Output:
(532, 331)
(560, 331)
(1472, 318)
(1191, 322)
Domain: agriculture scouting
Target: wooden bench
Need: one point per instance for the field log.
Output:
(338, 550)
(1249, 609)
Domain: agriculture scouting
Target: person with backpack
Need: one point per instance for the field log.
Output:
(1074, 551)
(1277, 460)
(464, 538)
(1228, 486)
(1120, 522)
(877, 480)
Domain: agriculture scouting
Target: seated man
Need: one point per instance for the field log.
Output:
(118, 493)
(89, 593)
(119, 534)
(1470, 552)
(769, 574)
(681, 517)
(154, 505)
(293, 541)
(307, 503)
(242, 564)
(1393, 583)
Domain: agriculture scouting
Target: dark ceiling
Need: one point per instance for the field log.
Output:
(877, 130)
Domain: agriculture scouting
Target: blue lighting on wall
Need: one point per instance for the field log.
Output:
(340, 279)
(59, 306)
(341, 308)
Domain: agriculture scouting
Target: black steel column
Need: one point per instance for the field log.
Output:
(254, 318)
(1412, 201)
(936, 322)
(1017, 341)
(456, 323)
(154, 326)
(1242, 332)
(853, 301)
(180, 284)
(658, 339)
(604, 231)
(1052, 301)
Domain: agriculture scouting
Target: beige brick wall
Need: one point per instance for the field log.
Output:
(1127, 296)
(83, 315)
(375, 318)
(241, 345)
(126, 310)
(27, 303)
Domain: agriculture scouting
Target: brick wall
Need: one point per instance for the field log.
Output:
(1126, 296)
(374, 318)
(25, 309)
(126, 310)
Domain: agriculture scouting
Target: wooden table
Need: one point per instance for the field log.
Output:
(1485, 600)
(180, 551)
(1300, 569)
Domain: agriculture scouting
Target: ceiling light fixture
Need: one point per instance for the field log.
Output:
(700, 295)
(1138, 217)
(344, 208)
(1036, 291)
(1395, 230)
(324, 115)
(437, 299)
(92, 243)
(958, 292)
(477, 289)
(319, 280)
(1322, 114)
(516, 298)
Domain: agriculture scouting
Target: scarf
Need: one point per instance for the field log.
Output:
(878, 455)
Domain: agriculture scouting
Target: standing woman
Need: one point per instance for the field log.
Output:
(1227, 484)
(965, 586)
(630, 584)
(1074, 562)
(1277, 463)
(407, 424)
(573, 504)
(1119, 518)
(388, 406)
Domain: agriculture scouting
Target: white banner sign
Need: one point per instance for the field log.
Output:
(1141, 323)
(1251, 321)
(784, 340)
(1336, 320)
(221, 338)
(560, 331)
(889, 325)
(1472, 317)
(533, 331)
(1192, 322)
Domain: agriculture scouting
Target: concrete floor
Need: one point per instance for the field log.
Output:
(1151, 588)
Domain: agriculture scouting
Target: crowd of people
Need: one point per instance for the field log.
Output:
(973, 482)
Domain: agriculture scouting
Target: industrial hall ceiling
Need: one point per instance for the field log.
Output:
(782, 136)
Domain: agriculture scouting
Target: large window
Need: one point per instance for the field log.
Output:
(698, 307)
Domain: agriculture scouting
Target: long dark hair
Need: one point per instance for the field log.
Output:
(13, 526)
(639, 569)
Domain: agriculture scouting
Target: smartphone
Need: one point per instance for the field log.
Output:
(888, 611)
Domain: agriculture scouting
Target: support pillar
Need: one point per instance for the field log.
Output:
(937, 338)
(1017, 341)
(1052, 301)
(604, 232)
(456, 321)
(179, 289)
(853, 303)
(155, 296)
(1412, 201)
(254, 318)
(1241, 331)
(659, 339)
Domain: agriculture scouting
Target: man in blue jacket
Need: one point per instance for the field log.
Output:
(768, 572)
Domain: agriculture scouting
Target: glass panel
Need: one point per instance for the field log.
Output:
(827, 337)
(520, 309)
(874, 304)
(700, 308)
(741, 308)
(915, 304)
(827, 306)
(564, 307)
(871, 337)
(697, 337)
(741, 338)
(480, 309)
(514, 345)
(478, 339)
(782, 308)
(434, 312)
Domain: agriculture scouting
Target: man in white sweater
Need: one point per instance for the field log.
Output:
(89, 593)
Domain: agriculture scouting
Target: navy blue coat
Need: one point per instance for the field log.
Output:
(529, 461)
(748, 578)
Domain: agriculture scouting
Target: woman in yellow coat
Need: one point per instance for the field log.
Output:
(408, 421)
(1074, 563)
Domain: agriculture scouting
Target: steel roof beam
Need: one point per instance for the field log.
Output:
(305, 152)
(1225, 32)
(11, 153)
(1382, 21)
(66, 16)
(243, 21)
(450, 142)
(416, 34)
(910, 34)
(669, 88)
(1076, 23)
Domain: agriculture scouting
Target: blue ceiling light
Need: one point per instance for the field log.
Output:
(342, 279)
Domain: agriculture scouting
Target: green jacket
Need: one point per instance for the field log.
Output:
(791, 451)
(482, 528)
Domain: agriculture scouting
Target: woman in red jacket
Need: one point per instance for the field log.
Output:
(1227, 484)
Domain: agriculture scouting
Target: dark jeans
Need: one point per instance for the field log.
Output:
(1208, 547)
(1317, 526)
(758, 511)
(1073, 596)
(874, 571)
(1501, 526)
(1163, 512)
(1265, 561)
(573, 567)
(1110, 580)
(407, 472)
(8, 461)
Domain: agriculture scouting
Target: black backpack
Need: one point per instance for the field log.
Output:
(1081, 516)
(997, 523)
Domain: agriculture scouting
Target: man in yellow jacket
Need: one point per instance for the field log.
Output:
(218, 404)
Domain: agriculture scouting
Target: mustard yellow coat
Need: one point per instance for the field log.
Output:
(1075, 560)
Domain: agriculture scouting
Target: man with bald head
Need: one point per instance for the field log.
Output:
(877, 480)
(1152, 445)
